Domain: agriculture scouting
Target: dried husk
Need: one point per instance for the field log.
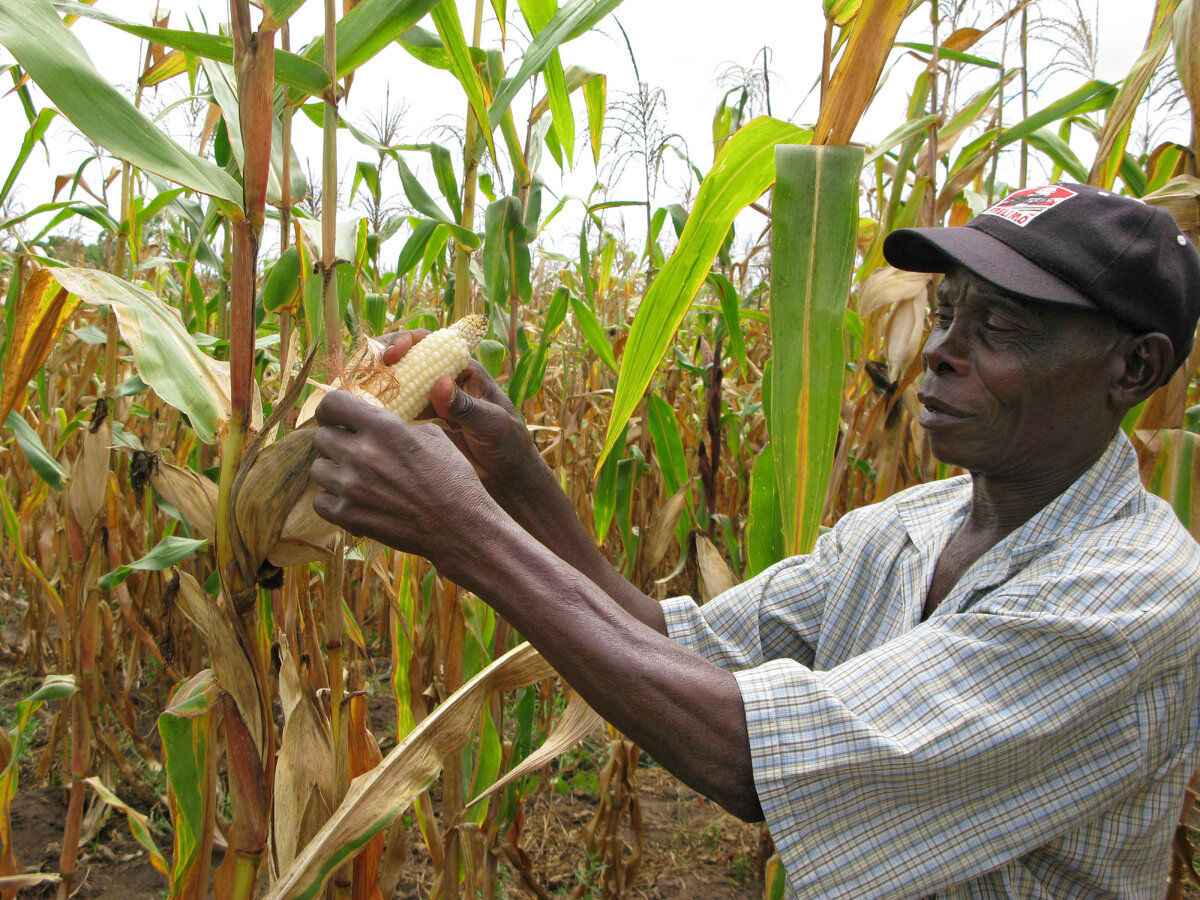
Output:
(662, 526)
(273, 489)
(189, 492)
(89, 476)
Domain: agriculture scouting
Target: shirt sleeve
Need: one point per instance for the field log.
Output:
(942, 754)
(775, 615)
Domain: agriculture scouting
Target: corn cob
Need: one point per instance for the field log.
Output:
(446, 351)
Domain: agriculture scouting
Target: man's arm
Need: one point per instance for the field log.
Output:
(405, 486)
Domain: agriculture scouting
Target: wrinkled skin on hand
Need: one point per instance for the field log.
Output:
(478, 417)
(403, 485)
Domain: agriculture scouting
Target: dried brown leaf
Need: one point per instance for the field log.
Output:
(230, 663)
(662, 526)
(1181, 198)
(715, 577)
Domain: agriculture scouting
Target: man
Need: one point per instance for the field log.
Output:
(983, 687)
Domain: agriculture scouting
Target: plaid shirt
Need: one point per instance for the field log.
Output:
(1031, 739)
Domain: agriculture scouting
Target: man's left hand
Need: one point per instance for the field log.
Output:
(406, 486)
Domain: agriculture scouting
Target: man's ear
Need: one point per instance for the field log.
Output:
(1147, 366)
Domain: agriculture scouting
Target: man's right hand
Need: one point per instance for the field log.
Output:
(480, 420)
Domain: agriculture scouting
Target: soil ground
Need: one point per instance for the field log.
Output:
(693, 849)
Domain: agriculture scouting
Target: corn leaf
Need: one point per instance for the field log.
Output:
(1114, 136)
(166, 553)
(458, 55)
(364, 32)
(187, 728)
(42, 313)
(764, 526)
(376, 797)
(741, 173)
(279, 11)
(36, 132)
(573, 18)
(857, 73)
(593, 332)
(225, 91)
(55, 59)
(302, 75)
(45, 465)
(1175, 472)
(1187, 51)
(167, 357)
(816, 223)
(139, 824)
(426, 205)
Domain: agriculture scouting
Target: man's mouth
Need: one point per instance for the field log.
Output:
(938, 412)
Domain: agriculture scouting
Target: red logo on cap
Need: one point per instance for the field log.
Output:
(1023, 207)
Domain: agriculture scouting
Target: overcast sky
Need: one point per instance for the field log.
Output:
(681, 48)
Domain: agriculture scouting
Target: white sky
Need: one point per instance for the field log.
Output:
(680, 48)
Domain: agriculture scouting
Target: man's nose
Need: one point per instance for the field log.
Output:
(944, 350)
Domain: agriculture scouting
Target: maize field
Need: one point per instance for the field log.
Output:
(198, 671)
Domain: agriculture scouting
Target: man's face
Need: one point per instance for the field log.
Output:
(1014, 388)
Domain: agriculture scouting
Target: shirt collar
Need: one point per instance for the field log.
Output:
(1095, 497)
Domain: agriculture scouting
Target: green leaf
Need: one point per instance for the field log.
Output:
(45, 465)
(593, 332)
(764, 526)
(1094, 95)
(57, 62)
(223, 82)
(668, 445)
(425, 204)
(527, 377)
(604, 500)
(458, 54)
(952, 55)
(414, 247)
(187, 729)
(815, 218)
(899, 136)
(279, 11)
(1060, 152)
(1176, 473)
(742, 172)
(166, 553)
(574, 18)
(731, 313)
(365, 31)
(166, 355)
(302, 75)
(36, 132)
(595, 96)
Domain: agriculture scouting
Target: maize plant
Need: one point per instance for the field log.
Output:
(182, 353)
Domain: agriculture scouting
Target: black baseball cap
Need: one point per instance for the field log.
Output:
(1076, 245)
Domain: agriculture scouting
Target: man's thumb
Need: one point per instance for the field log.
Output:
(456, 406)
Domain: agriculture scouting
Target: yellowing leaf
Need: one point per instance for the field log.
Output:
(857, 73)
(41, 314)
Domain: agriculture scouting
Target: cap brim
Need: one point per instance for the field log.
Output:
(940, 249)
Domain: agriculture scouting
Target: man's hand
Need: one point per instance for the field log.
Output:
(396, 483)
(480, 419)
